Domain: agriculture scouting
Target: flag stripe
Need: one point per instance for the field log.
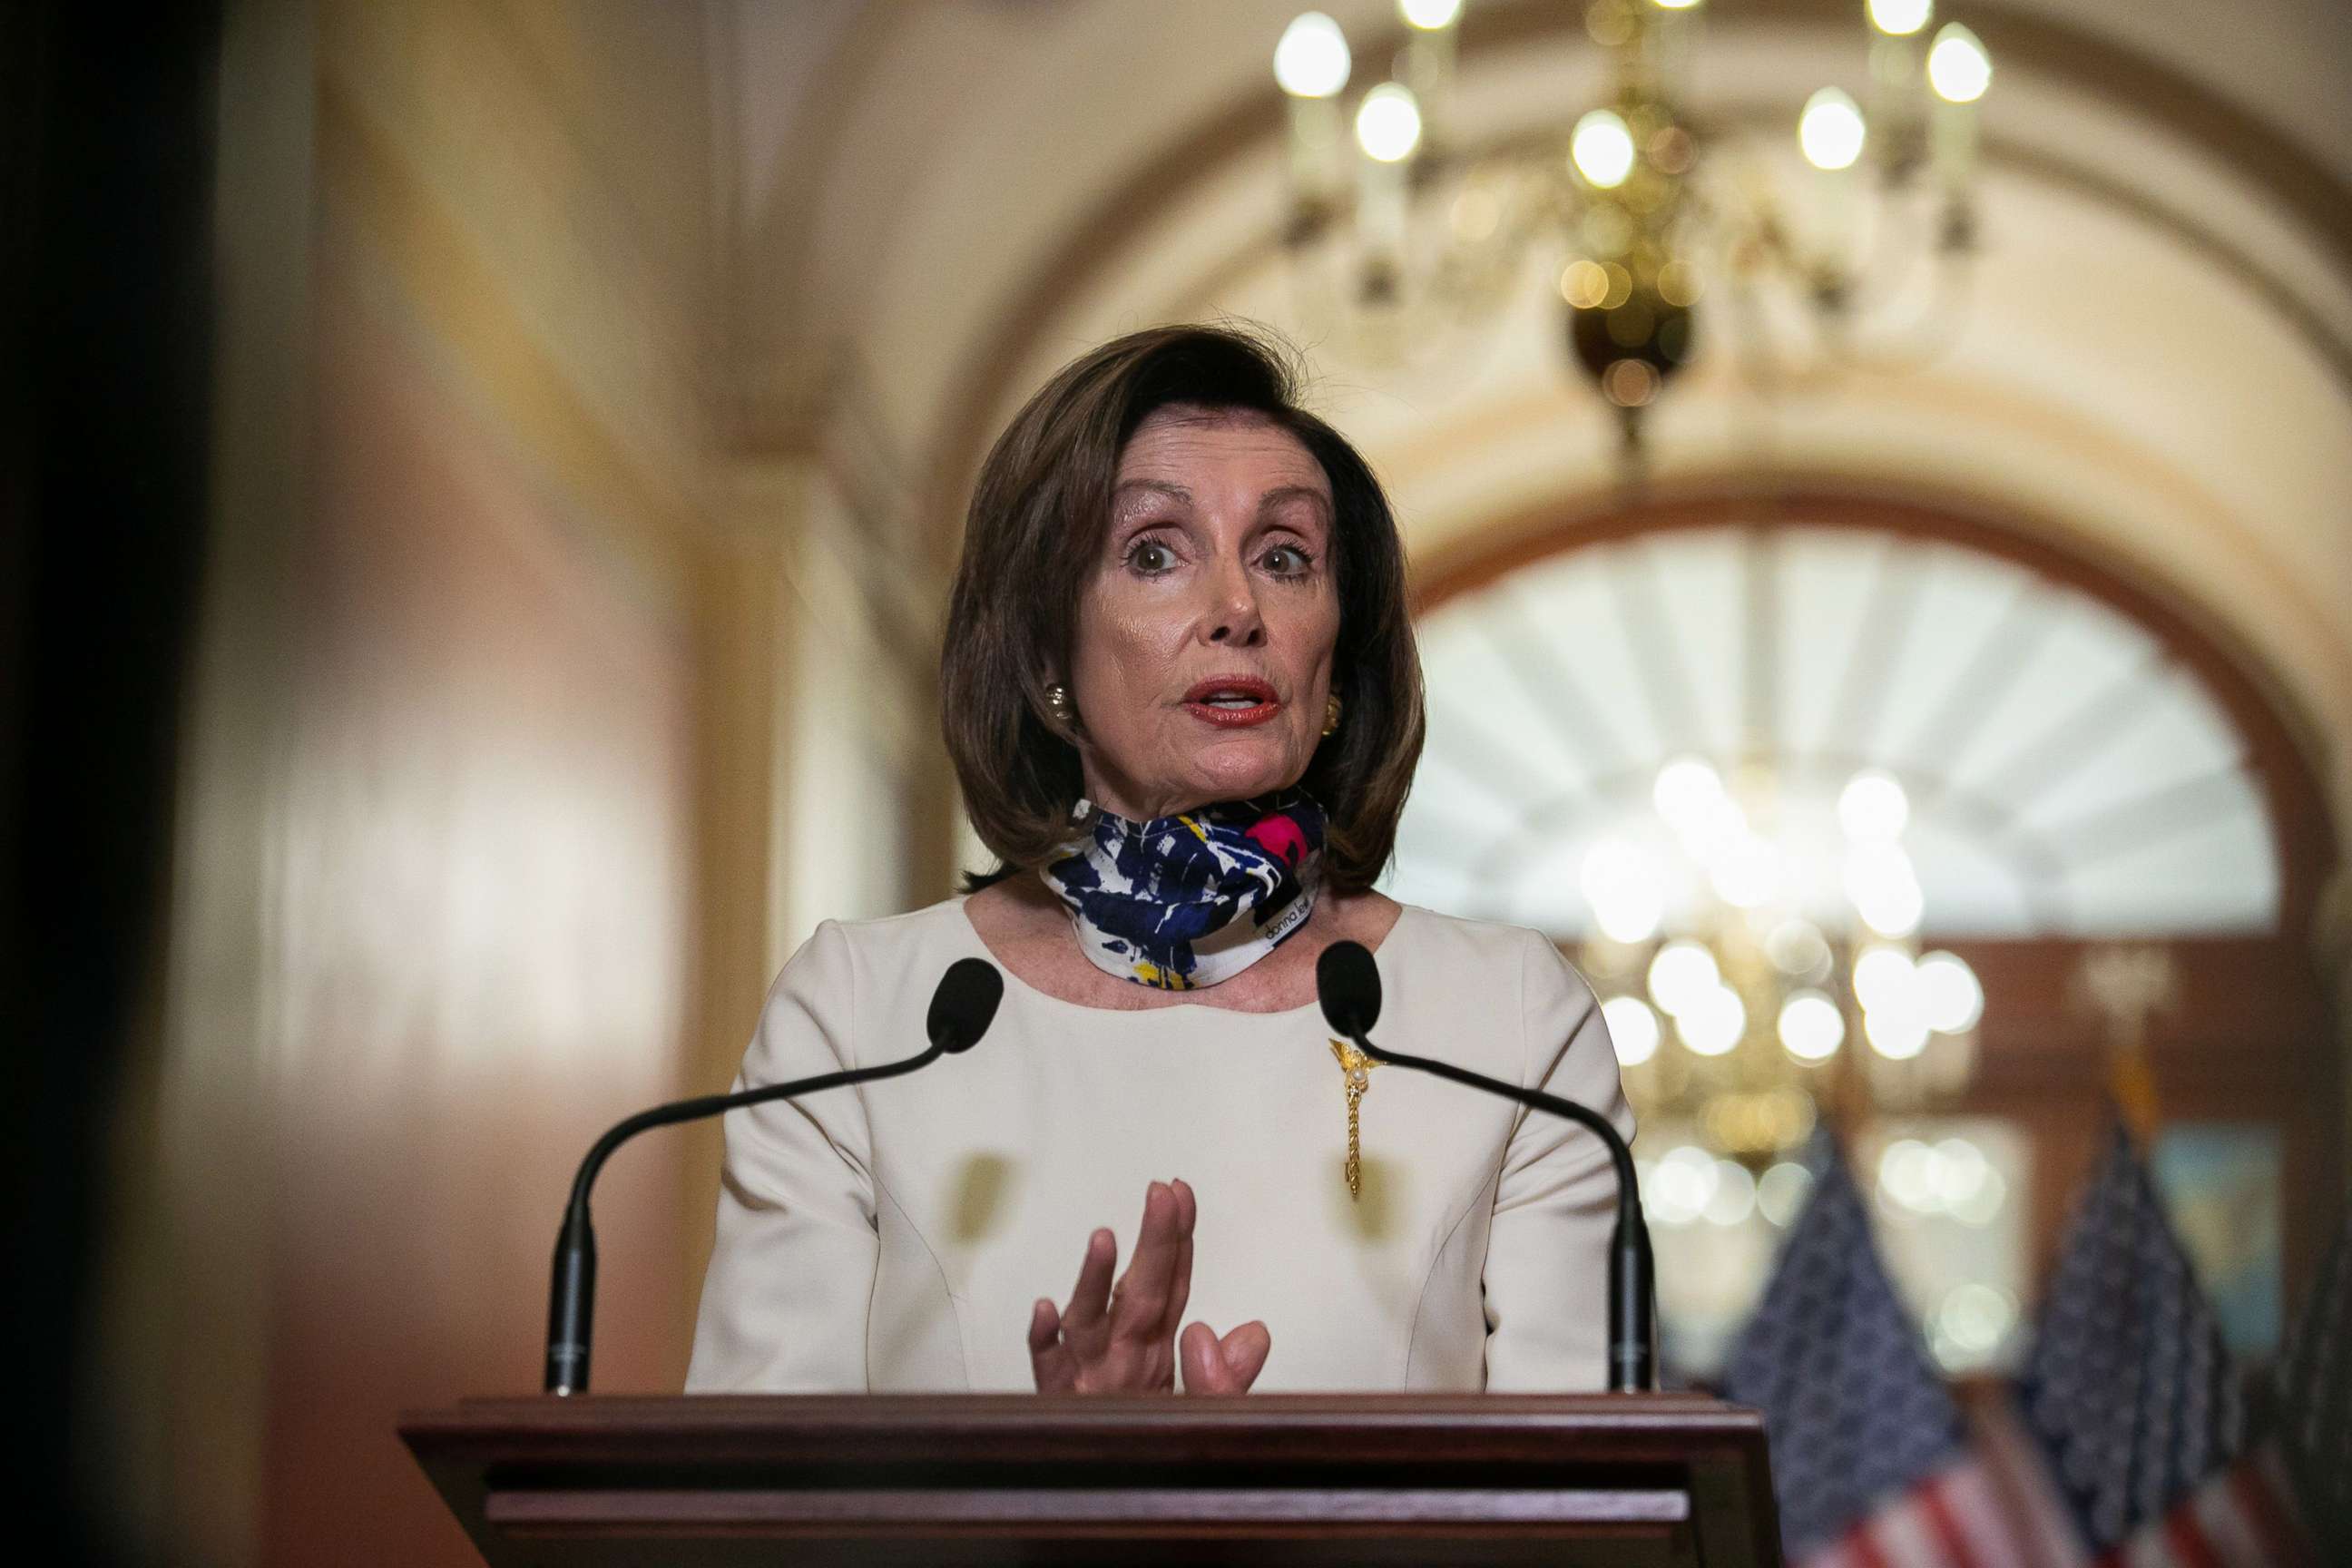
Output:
(1862, 1550)
(1974, 1507)
(2185, 1540)
(1936, 1510)
(2235, 1542)
(2258, 1504)
(2016, 1470)
(1902, 1536)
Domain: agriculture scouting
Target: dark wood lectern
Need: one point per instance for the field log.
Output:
(1621, 1479)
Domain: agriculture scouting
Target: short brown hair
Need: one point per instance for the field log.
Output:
(1038, 515)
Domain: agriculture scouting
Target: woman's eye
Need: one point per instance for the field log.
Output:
(1286, 561)
(1150, 556)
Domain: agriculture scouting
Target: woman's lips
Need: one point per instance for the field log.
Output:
(1232, 714)
(1210, 713)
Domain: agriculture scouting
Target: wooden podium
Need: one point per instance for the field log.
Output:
(1618, 1479)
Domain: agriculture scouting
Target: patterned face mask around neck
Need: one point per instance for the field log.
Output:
(1188, 901)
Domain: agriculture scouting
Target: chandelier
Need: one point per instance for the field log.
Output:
(1395, 238)
(1759, 967)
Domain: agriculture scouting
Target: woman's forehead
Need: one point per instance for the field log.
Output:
(1171, 441)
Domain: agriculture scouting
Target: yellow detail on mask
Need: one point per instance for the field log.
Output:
(1165, 979)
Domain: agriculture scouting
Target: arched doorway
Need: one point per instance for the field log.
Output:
(2093, 779)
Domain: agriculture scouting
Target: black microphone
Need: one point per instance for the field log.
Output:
(962, 1009)
(1348, 984)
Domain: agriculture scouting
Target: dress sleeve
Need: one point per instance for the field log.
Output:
(1547, 1277)
(791, 1272)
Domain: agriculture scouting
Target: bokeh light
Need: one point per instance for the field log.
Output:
(1311, 60)
(1388, 126)
(1830, 132)
(1602, 149)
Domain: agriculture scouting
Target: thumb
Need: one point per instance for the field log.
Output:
(1243, 1352)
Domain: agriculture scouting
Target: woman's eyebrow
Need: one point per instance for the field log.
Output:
(1285, 493)
(1160, 487)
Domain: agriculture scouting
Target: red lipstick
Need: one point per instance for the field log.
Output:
(1232, 700)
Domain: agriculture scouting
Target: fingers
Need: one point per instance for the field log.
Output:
(1228, 1365)
(1244, 1352)
(1204, 1373)
(1049, 1359)
(1090, 1298)
(1180, 1283)
(1119, 1336)
(1141, 1299)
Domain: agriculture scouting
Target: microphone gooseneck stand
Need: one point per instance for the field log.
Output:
(962, 1009)
(1348, 984)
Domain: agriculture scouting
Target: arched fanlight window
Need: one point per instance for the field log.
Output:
(2065, 773)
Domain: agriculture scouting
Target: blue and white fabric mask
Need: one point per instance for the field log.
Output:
(1188, 901)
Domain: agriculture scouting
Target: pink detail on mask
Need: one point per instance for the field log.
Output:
(1278, 836)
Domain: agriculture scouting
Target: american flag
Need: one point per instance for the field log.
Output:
(2131, 1395)
(2316, 1402)
(1870, 1458)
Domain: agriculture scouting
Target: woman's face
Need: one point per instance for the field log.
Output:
(1206, 631)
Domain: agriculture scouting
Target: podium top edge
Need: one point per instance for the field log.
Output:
(1566, 1417)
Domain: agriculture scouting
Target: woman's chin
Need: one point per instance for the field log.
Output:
(1235, 771)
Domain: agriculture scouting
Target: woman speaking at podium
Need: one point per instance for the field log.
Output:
(1180, 691)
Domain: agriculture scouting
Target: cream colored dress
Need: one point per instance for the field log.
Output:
(894, 1236)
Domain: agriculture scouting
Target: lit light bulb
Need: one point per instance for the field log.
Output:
(1884, 888)
(1957, 67)
(1676, 5)
(1388, 126)
(1633, 1029)
(1429, 14)
(1961, 1169)
(1795, 946)
(1623, 891)
(1735, 1195)
(1884, 977)
(1681, 1184)
(1311, 60)
(1894, 909)
(1972, 1321)
(1714, 1022)
(1872, 805)
(1830, 132)
(1950, 997)
(1780, 1191)
(1602, 148)
(1900, 18)
(1906, 1174)
(1687, 793)
(1681, 973)
(1811, 1028)
(1897, 1033)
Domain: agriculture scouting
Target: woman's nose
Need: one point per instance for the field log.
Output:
(1233, 620)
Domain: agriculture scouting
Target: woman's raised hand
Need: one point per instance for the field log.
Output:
(1122, 1338)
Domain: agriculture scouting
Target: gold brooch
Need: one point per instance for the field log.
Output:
(1358, 1069)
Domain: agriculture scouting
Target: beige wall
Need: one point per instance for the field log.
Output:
(474, 815)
